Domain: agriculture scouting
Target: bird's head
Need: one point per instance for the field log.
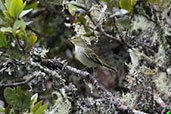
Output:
(77, 41)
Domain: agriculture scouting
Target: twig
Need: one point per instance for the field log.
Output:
(57, 64)
(150, 19)
(18, 83)
(159, 101)
(22, 48)
(97, 25)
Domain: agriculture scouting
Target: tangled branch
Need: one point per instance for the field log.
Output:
(55, 64)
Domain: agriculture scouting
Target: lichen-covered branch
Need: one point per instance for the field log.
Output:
(56, 64)
(18, 83)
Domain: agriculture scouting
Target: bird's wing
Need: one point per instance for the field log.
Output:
(91, 54)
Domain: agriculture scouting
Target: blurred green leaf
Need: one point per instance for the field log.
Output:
(19, 100)
(41, 109)
(8, 3)
(2, 109)
(104, 0)
(72, 7)
(111, 4)
(6, 13)
(152, 1)
(19, 91)
(124, 22)
(3, 40)
(26, 100)
(14, 53)
(86, 29)
(156, 2)
(33, 100)
(81, 19)
(6, 29)
(19, 24)
(11, 98)
(133, 2)
(88, 34)
(127, 4)
(32, 38)
(36, 106)
(16, 8)
(2, 5)
(31, 5)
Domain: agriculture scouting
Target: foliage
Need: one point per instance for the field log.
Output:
(21, 102)
(17, 39)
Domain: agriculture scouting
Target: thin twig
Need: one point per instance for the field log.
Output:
(99, 28)
(22, 48)
(18, 83)
(159, 101)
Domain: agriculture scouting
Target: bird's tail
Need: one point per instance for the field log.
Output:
(109, 67)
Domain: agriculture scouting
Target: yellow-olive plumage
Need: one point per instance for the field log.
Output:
(86, 55)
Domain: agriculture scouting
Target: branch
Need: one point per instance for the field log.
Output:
(18, 83)
(57, 64)
(96, 24)
(22, 48)
(159, 101)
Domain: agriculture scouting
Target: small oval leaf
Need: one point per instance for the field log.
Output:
(16, 8)
(41, 109)
(3, 40)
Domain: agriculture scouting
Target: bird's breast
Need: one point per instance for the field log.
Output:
(83, 58)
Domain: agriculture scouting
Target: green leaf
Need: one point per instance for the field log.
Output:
(26, 100)
(81, 19)
(31, 41)
(6, 29)
(11, 98)
(19, 91)
(41, 109)
(3, 7)
(7, 14)
(72, 7)
(158, 2)
(19, 24)
(33, 100)
(14, 53)
(36, 106)
(88, 34)
(2, 109)
(3, 40)
(31, 5)
(8, 3)
(16, 8)
(8, 109)
(18, 100)
(168, 112)
(126, 4)
(124, 22)
(32, 38)
(105, 0)
(24, 97)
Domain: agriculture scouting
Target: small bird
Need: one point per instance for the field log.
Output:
(87, 56)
